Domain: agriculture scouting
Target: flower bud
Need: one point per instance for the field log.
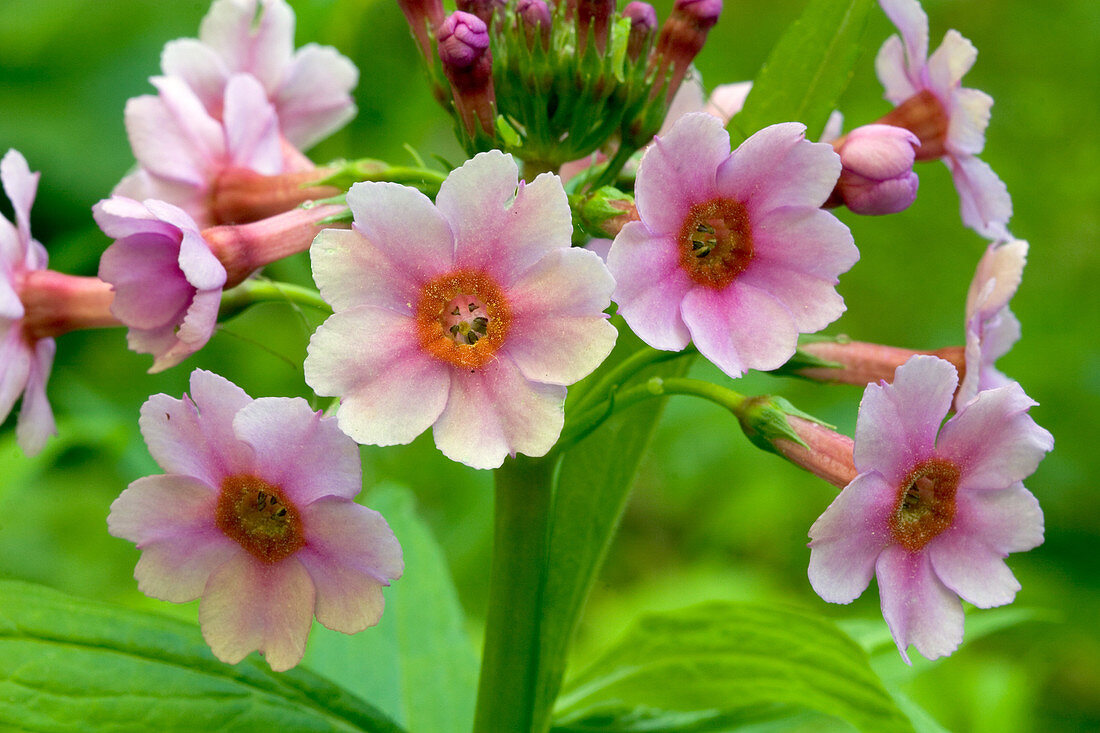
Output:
(535, 16)
(597, 15)
(877, 175)
(463, 43)
(643, 24)
(483, 9)
(425, 17)
(683, 36)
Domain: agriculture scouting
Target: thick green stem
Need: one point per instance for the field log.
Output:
(509, 665)
(254, 291)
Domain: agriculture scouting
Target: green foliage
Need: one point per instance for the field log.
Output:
(719, 665)
(417, 665)
(807, 70)
(68, 664)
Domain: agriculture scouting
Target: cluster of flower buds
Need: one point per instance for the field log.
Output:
(555, 82)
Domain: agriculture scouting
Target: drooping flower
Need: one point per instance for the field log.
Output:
(934, 511)
(220, 171)
(991, 328)
(255, 515)
(470, 316)
(25, 363)
(168, 275)
(309, 88)
(949, 119)
(732, 250)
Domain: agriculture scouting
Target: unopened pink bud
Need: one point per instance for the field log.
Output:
(877, 175)
(425, 17)
(483, 9)
(683, 36)
(827, 453)
(463, 43)
(643, 24)
(535, 15)
(597, 15)
(861, 363)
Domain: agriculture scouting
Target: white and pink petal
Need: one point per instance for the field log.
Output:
(919, 609)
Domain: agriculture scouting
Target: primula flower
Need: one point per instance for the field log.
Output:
(168, 275)
(309, 88)
(991, 328)
(194, 161)
(877, 176)
(25, 362)
(934, 511)
(255, 515)
(470, 315)
(949, 119)
(732, 250)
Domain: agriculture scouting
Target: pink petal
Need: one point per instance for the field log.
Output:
(503, 227)
(897, 423)
(993, 440)
(893, 71)
(778, 167)
(847, 538)
(404, 226)
(11, 307)
(120, 217)
(196, 261)
(20, 185)
(677, 171)
(262, 48)
(200, 67)
(173, 136)
(984, 202)
(740, 328)
(972, 570)
(559, 332)
(997, 278)
(496, 412)
(949, 63)
(350, 555)
(918, 608)
(192, 333)
(177, 568)
(909, 18)
(134, 264)
(11, 250)
(649, 286)
(161, 507)
(807, 240)
(351, 272)
(727, 100)
(251, 127)
(194, 436)
(1007, 521)
(299, 450)
(688, 98)
(15, 366)
(969, 117)
(390, 391)
(36, 424)
(249, 605)
(313, 98)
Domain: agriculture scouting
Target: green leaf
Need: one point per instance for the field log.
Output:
(589, 500)
(70, 664)
(808, 69)
(417, 665)
(714, 665)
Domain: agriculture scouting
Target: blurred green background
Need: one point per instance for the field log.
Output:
(712, 517)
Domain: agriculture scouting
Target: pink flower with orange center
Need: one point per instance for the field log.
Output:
(255, 516)
(949, 119)
(934, 510)
(732, 251)
(309, 88)
(470, 315)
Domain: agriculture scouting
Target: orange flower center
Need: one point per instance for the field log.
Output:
(926, 503)
(716, 242)
(462, 318)
(259, 518)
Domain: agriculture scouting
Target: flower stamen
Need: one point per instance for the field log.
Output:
(462, 318)
(716, 242)
(259, 518)
(925, 504)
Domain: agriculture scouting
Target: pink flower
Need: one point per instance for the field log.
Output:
(934, 511)
(877, 176)
(25, 362)
(732, 250)
(991, 328)
(168, 284)
(309, 88)
(949, 119)
(469, 316)
(168, 276)
(255, 515)
(184, 153)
